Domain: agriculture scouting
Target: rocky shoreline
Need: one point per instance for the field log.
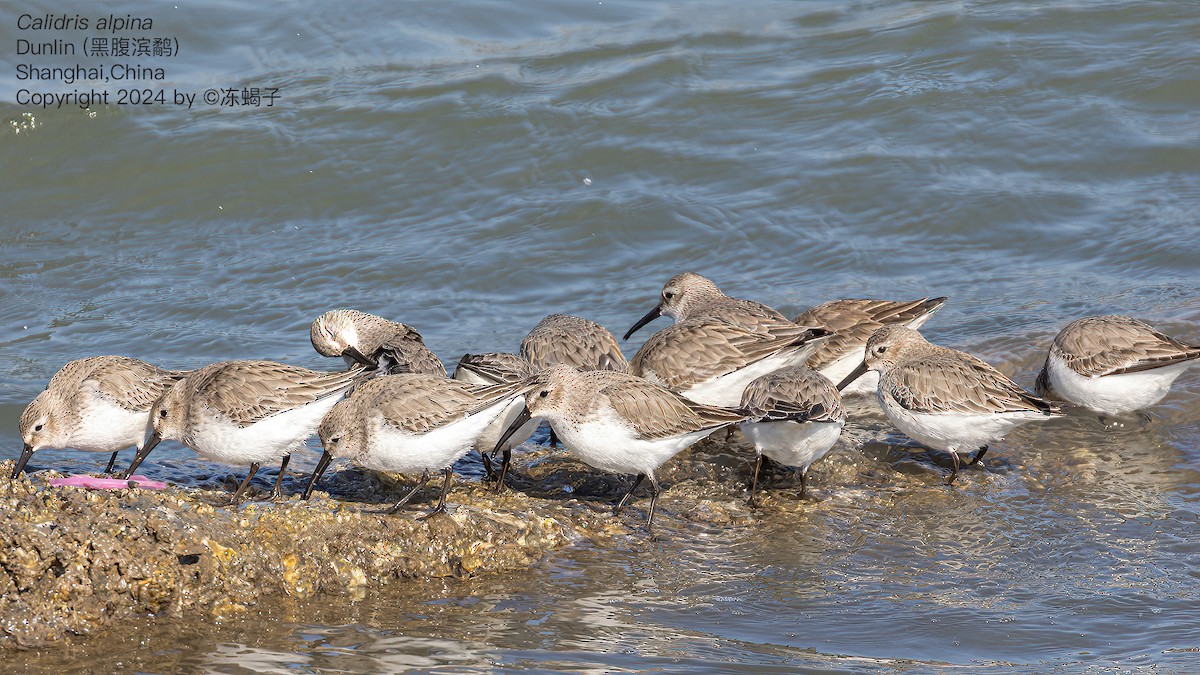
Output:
(73, 561)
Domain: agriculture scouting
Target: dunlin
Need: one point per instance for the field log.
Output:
(689, 295)
(943, 398)
(98, 404)
(1113, 364)
(414, 424)
(718, 344)
(246, 412)
(574, 341)
(852, 322)
(618, 422)
(497, 368)
(796, 416)
(374, 342)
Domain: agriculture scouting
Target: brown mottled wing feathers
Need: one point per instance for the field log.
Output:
(853, 321)
(657, 413)
(572, 341)
(1112, 345)
(419, 404)
(938, 384)
(796, 394)
(499, 367)
(700, 350)
(250, 391)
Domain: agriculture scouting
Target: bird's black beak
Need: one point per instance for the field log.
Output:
(322, 464)
(858, 372)
(26, 453)
(650, 316)
(512, 428)
(144, 452)
(358, 356)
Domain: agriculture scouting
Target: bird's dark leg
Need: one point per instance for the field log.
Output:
(654, 490)
(636, 482)
(489, 472)
(277, 491)
(504, 461)
(441, 505)
(953, 468)
(405, 498)
(978, 456)
(111, 460)
(554, 442)
(754, 481)
(803, 482)
(237, 495)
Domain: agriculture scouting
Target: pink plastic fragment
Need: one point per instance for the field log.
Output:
(93, 483)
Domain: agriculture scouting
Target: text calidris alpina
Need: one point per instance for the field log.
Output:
(498, 368)
(943, 398)
(246, 413)
(98, 404)
(718, 344)
(796, 416)
(414, 424)
(852, 322)
(573, 341)
(374, 342)
(1113, 364)
(618, 422)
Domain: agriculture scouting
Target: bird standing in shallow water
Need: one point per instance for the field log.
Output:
(412, 424)
(1113, 364)
(97, 404)
(718, 344)
(246, 413)
(795, 415)
(374, 342)
(619, 423)
(943, 398)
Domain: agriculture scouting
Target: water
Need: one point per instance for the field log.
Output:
(468, 167)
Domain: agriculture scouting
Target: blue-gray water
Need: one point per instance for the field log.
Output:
(468, 167)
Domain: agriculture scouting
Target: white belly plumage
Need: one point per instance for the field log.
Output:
(267, 440)
(610, 445)
(792, 443)
(954, 432)
(108, 427)
(405, 452)
(1113, 394)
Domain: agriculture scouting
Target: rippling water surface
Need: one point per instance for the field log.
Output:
(468, 167)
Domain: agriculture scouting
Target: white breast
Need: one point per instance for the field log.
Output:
(954, 432)
(392, 449)
(265, 441)
(610, 445)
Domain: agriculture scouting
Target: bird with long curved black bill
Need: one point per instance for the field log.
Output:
(796, 416)
(361, 339)
(491, 368)
(96, 404)
(943, 398)
(1113, 364)
(246, 413)
(411, 424)
(619, 423)
(718, 344)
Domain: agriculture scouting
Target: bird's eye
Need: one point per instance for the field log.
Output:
(162, 413)
(335, 440)
(667, 295)
(544, 393)
(38, 428)
(881, 349)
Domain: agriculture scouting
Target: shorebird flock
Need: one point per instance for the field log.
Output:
(723, 363)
